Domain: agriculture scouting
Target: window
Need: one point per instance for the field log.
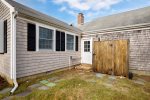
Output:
(45, 38)
(86, 46)
(70, 42)
(60, 41)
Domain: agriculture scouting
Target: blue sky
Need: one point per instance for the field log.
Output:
(67, 10)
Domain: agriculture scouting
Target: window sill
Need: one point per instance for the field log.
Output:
(45, 50)
(70, 50)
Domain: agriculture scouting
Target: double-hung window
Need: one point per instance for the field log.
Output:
(60, 41)
(70, 42)
(45, 38)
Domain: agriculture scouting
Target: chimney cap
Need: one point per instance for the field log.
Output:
(80, 13)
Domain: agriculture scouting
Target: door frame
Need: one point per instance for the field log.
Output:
(91, 49)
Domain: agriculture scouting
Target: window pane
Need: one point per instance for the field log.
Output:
(86, 46)
(70, 38)
(46, 36)
(70, 42)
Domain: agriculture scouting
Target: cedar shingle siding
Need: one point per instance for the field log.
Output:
(34, 62)
(139, 47)
(5, 58)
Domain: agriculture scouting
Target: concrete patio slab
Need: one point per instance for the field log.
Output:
(6, 90)
(44, 82)
(34, 86)
(43, 88)
(50, 84)
(8, 98)
(99, 75)
(112, 77)
(25, 93)
(53, 78)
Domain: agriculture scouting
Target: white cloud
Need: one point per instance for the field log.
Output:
(62, 9)
(43, 1)
(74, 4)
(85, 5)
(90, 8)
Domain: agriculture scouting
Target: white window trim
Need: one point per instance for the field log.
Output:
(38, 25)
(54, 35)
(37, 38)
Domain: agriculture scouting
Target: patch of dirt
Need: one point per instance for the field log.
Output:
(146, 89)
(84, 67)
(122, 89)
(146, 78)
(3, 83)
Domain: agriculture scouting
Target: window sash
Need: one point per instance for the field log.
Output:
(45, 38)
(70, 42)
(86, 46)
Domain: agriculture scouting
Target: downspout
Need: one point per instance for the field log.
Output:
(13, 49)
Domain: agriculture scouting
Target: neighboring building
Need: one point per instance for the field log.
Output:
(33, 43)
(133, 26)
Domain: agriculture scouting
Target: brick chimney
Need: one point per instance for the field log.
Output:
(80, 19)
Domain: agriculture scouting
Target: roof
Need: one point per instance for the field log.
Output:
(133, 17)
(33, 13)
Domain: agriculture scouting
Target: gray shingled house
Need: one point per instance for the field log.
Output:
(33, 43)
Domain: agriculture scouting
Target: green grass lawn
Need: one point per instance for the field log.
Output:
(76, 86)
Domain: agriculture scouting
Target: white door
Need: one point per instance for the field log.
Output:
(86, 48)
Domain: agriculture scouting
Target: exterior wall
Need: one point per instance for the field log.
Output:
(30, 63)
(139, 48)
(5, 58)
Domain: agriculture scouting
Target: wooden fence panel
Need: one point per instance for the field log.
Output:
(121, 57)
(111, 57)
